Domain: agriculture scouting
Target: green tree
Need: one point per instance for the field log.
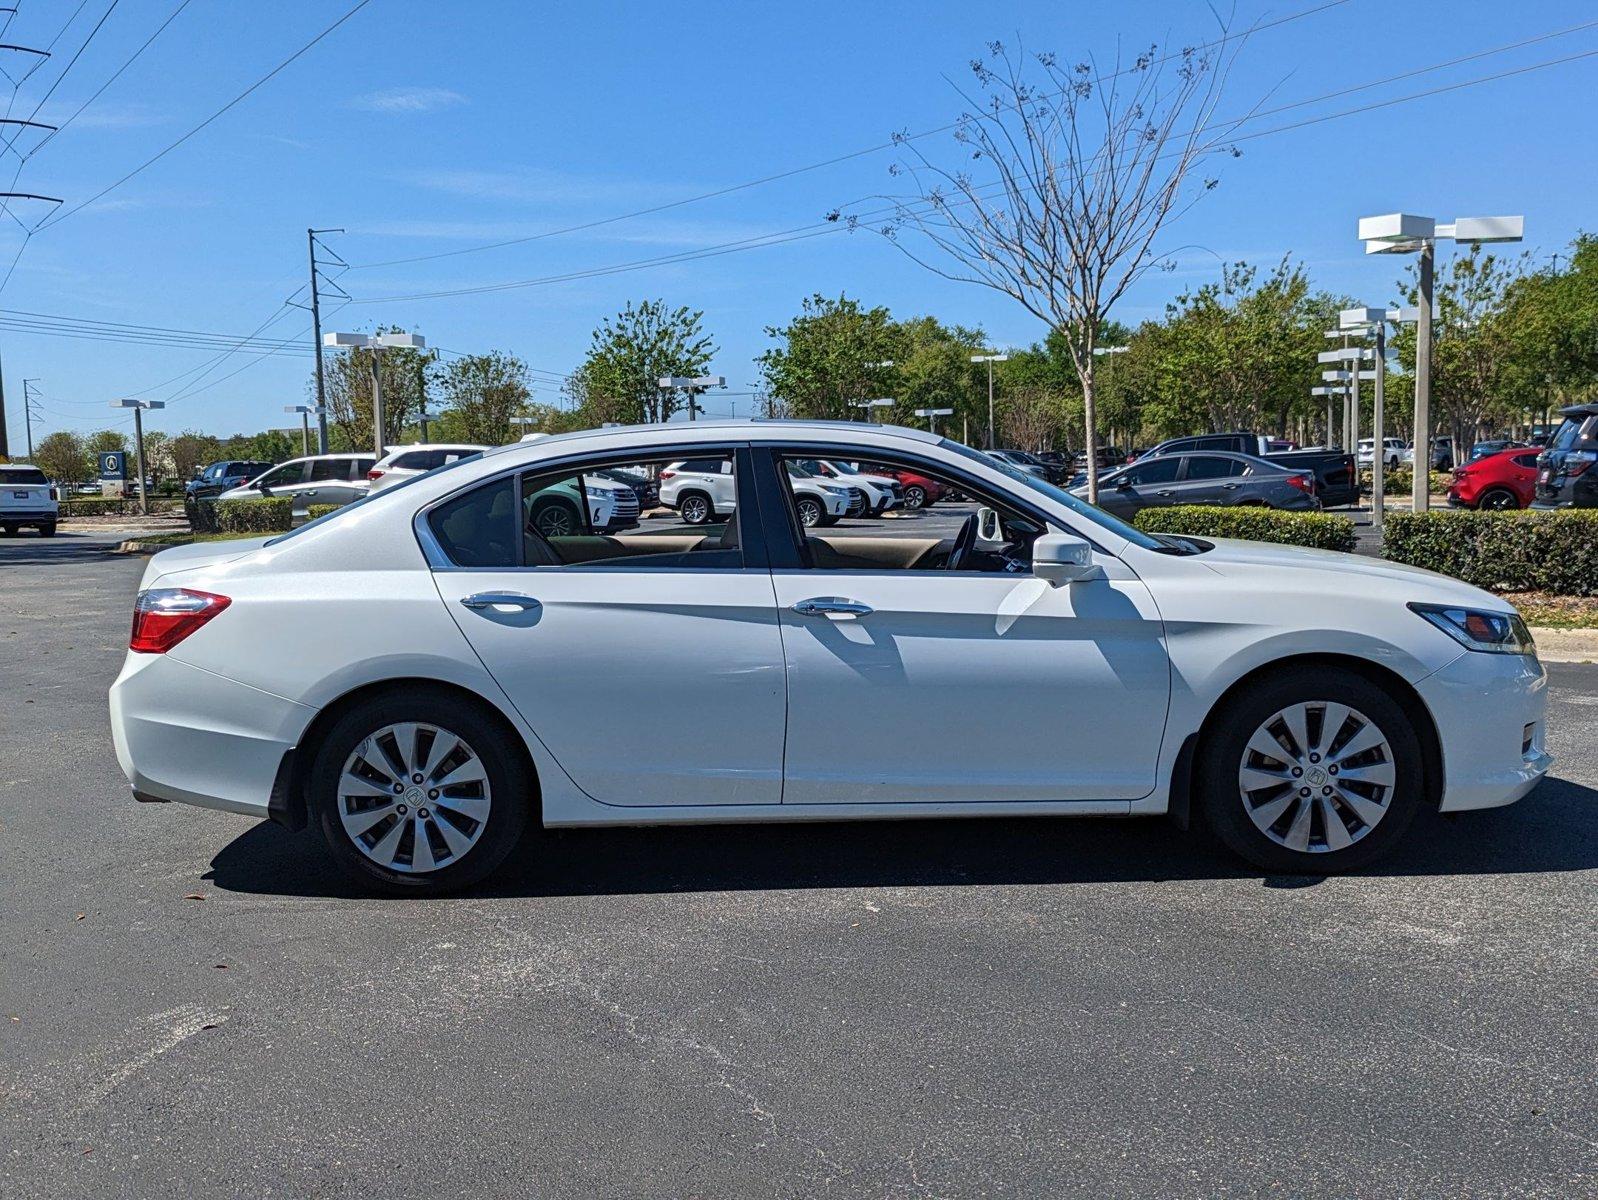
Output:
(482, 392)
(106, 439)
(833, 354)
(631, 352)
(933, 369)
(274, 445)
(191, 451)
(63, 457)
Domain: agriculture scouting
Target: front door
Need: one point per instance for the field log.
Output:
(909, 681)
(649, 663)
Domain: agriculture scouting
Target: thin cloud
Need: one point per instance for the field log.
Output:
(408, 100)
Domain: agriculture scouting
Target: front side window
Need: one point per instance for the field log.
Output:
(1154, 470)
(288, 475)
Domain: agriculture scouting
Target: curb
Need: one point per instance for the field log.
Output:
(1566, 645)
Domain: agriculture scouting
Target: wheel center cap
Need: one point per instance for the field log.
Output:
(1316, 777)
(415, 796)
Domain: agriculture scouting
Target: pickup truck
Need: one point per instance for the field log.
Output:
(27, 498)
(1336, 480)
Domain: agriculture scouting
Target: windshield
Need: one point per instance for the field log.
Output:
(1080, 507)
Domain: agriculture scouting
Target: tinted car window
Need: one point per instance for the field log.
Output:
(419, 460)
(323, 469)
(1155, 470)
(22, 475)
(707, 466)
(1210, 466)
(478, 529)
(1525, 460)
(289, 474)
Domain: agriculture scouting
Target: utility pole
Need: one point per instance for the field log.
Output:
(1379, 428)
(316, 334)
(138, 407)
(5, 444)
(990, 359)
(27, 412)
(1421, 487)
(421, 395)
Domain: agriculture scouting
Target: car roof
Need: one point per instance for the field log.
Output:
(1580, 410)
(409, 446)
(665, 434)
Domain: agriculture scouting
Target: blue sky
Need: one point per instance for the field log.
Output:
(427, 127)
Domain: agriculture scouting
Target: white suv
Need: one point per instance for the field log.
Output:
(402, 462)
(881, 492)
(27, 498)
(702, 490)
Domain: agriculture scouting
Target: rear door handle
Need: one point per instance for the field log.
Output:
(1229, 487)
(1165, 492)
(481, 600)
(833, 607)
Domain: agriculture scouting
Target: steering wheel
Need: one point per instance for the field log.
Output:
(964, 542)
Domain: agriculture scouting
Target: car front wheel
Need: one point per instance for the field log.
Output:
(1498, 500)
(417, 793)
(1311, 770)
(810, 512)
(915, 496)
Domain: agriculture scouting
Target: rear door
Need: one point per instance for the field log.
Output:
(1208, 479)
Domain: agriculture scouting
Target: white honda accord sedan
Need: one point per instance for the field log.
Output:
(429, 679)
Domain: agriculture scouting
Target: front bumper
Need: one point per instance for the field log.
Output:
(182, 733)
(1490, 712)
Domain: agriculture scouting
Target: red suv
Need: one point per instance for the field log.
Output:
(919, 491)
(1507, 479)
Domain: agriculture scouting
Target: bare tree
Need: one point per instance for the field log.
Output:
(1075, 176)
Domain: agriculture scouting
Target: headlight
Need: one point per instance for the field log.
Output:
(596, 493)
(1474, 629)
(834, 491)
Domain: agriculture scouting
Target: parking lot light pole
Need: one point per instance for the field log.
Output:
(990, 359)
(376, 344)
(932, 415)
(1407, 233)
(693, 385)
(870, 405)
(1328, 392)
(306, 411)
(138, 407)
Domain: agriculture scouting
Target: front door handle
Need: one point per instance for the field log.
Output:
(834, 607)
(1165, 492)
(1229, 487)
(482, 600)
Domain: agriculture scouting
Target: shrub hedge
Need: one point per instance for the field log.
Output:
(312, 511)
(1399, 482)
(267, 514)
(1523, 551)
(108, 506)
(1322, 531)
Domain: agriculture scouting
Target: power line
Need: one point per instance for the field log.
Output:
(71, 62)
(1258, 27)
(157, 157)
(802, 232)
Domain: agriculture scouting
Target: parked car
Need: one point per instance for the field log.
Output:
(316, 479)
(882, 492)
(1020, 462)
(27, 498)
(1565, 478)
(1054, 472)
(643, 487)
(1392, 452)
(1504, 480)
(402, 462)
(220, 477)
(1336, 476)
(1310, 704)
(1483, 449)
(1442, 454)
(1220, 479)
(702, 490)
(1107, 456)
(919, 490)
(558, 510)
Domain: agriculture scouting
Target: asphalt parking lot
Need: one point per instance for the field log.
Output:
(195, 1005)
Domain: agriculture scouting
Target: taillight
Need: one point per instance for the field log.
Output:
(377, 473)
(163, 617)
(667, 474)
(1304, 483)
(1578, 461)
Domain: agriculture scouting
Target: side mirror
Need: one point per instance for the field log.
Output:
(1063, 558)
(263, 489)
(1124, 484)
(989, 527)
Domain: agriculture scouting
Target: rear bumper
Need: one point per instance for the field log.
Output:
(27, 516)
(185, 734)
(1490, 712)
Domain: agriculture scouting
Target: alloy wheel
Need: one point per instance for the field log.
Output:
(809, 513)
(1499, 501)
(695, 510)
(414, 797)
(1317, 776)
(556, 520)
(914, 497)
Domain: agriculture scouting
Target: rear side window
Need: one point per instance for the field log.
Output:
(1525, 460)
(704, 466)
(1209, 466)
(419, 460)
(479, 529)
(323, 469)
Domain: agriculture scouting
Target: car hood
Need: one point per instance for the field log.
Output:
(1233, 557)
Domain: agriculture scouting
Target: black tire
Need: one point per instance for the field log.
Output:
(1224, 808)
(556, 518)
(696, 508)
(1497, 500)
(510, 789)
(810, 512)
(47, 530)
(915, 496)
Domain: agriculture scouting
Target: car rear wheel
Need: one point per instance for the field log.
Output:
(418, 793)
(1497, 500)
(1311, 770)
(810, 512)
(47, 530)
(915, 496)
(696, 509)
